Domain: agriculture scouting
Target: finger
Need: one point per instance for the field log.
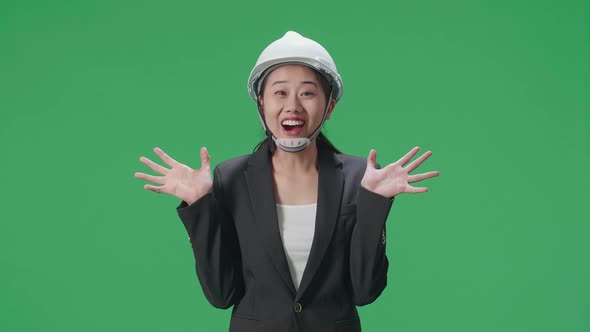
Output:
(372, 159)
(166, 158)
(158, 190)
(414, 164)
(155, 167)
(205, 159)
(420, 177)
(405, 159)
(415, 190)
(151, 178)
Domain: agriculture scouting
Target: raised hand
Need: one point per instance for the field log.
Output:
(180, 180)
(395, 179)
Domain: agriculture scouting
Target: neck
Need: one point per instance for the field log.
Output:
(296, 162)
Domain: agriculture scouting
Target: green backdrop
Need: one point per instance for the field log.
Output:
(497, 89)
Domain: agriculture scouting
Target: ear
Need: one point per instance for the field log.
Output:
(260, 100)
(332, 105)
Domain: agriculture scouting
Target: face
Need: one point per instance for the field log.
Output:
(293, 101)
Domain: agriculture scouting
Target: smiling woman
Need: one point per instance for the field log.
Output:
(314, 90)
(293, 101)
(294, 49)
(293, 236)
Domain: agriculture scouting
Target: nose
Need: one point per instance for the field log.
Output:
(292, 104)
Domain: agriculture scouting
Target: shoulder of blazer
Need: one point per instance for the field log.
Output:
(353, 169)
(234, 165)
(353, 162)
(232, 169)
(228, 171)
(353, 165)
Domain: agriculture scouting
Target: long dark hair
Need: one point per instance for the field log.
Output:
(321, 140)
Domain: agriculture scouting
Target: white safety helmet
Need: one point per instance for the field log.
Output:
(293, 48)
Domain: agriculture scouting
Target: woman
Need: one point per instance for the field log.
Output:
(292, 236)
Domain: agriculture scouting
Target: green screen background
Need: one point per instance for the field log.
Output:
(498, 90)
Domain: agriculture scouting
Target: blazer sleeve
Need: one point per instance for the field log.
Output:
(215, 246)
(368, 262)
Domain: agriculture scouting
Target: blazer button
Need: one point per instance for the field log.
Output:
(383, 237)
(298, 307)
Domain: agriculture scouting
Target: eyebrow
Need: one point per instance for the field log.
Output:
(303, 82)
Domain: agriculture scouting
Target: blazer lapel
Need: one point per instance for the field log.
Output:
(330, 185)
(262, 197)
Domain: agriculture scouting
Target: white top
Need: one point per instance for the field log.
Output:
(297, 226)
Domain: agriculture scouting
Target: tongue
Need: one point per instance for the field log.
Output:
(290, 128)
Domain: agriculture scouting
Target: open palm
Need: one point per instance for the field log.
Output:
(394, 178)
(180, 180)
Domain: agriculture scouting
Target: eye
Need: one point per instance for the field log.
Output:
(308, 93)
(280, 92)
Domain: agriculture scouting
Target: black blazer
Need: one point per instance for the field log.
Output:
(240, 259)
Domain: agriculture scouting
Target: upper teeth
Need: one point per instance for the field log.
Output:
(293, 122)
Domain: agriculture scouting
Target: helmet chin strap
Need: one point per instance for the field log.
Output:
(295, 144)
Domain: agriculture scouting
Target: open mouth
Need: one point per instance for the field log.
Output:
(292, 126)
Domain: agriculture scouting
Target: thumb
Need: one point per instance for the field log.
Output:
(372, 159)
(205, 159)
